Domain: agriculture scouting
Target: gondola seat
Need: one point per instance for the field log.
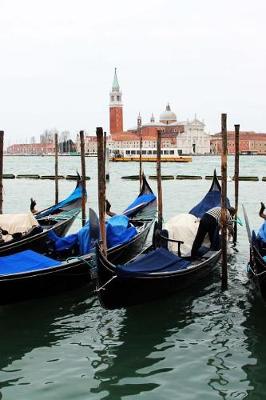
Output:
(156, 261)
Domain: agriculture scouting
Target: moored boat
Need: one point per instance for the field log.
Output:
(58, 218)
(257, 262)
(156, 272)
(150, 155)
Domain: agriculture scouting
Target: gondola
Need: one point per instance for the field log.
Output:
(58, 218)
(156, 272)
(257, 262)
(70, 261)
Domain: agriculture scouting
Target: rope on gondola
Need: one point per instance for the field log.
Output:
(91, 264)
(105, 284)
(238, 221)
(249, 269)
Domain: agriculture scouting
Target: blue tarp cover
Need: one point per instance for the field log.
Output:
(159, 260)
(75, 195)
(139, 203)
(212, 199)
(119, 231)
(262, 232)
(81, 238)
(25, 261)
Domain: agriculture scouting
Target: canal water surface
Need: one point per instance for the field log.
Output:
(198, 344)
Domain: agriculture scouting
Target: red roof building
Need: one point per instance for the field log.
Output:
(249, 143)
(31, 149)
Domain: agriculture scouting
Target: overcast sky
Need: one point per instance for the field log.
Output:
(58, 59)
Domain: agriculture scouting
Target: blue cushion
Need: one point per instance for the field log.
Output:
(25, 261)
(159, 260)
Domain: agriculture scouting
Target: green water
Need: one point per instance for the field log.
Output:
(199, 344)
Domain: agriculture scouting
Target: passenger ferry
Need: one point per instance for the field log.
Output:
(149, 155)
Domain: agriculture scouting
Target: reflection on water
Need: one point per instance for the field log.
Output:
(255, 331)
(38, 324)
(199, 344)
(164, 343)
(145, 336)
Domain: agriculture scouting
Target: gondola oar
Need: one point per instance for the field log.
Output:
(56, 166)
(223, 201)
(236, 177)
(159, 181)
(94, 225)
(247, 225)
(101, 187)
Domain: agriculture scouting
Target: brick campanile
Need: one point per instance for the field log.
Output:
(116, 108)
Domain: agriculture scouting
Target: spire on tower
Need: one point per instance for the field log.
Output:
(116, 107)
(115, 86)
(139, 121)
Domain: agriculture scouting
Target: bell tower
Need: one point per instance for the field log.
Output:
(116, 108)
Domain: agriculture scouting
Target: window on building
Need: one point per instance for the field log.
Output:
(154, 152)
(143, 152)
(133, 151)
(127, 151)
(171, 151)
(118, 98)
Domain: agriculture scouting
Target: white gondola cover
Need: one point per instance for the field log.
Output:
(14, 223)
(183, 227)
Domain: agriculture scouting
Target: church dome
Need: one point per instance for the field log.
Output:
(168, 116)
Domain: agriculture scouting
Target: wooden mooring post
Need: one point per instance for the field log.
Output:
(223, 201)
(106, 159)
(159, 181)
(56, 166)
(236, 178)
(101, 187)
(1, 169)
(140, 161)
(83, 177)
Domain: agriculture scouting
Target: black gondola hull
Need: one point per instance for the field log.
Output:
(43, 283)
(257, 271)
(60, 220)
(116, 292)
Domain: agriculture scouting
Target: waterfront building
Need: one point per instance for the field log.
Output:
(31, 149)
(250, 142)
(41, 148)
